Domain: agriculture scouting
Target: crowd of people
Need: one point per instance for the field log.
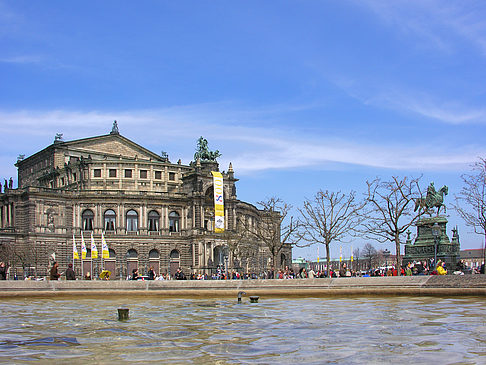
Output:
(410, 269)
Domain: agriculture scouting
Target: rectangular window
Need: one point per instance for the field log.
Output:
(128, 173)
(112, 173)
(143, 174)
(172, 176)
(74, 177)
(158, 175)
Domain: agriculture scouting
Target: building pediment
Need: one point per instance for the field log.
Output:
(112, 145)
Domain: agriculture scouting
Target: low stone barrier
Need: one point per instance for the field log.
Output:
(467, 285)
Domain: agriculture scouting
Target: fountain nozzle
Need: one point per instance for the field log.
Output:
(240, 293)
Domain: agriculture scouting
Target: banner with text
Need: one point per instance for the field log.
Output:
(83, 247)
(218, 202)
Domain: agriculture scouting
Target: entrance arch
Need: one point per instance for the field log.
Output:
(110, 264)
(219, 254)
(154, 261)
(175, 262)
(132, 261)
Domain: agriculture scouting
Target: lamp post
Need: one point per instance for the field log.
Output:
(386, 253)
(436, 233)
(225, 260)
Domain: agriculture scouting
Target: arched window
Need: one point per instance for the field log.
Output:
(112, 253)
(153, 221)
(88, 217)
(110, 217)
(174, 255)
(174, 222)
(220, 254)
(132, 254)
(132, 221)
(154, 254)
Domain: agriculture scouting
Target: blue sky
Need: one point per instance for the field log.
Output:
(298, 95)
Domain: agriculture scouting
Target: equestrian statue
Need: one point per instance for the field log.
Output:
(203, 153)
(432, 199)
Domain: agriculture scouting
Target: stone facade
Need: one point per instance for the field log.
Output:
(152, 212)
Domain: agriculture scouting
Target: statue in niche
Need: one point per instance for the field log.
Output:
(50, 220)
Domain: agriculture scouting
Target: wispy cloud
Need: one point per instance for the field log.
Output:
(436, 23)
(22, 59)
(426, 105)
(252, 147)
(401, 98)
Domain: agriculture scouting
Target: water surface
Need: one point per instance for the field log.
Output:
(273, 331)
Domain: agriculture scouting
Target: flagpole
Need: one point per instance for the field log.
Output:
(74, 262)
(92, 253)
(102, 237)
(82, 259)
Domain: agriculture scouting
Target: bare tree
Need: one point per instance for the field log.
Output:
(390, 210)
(274, 228)
(471, 201)
(17, 255)
(329, 217)
(244, 250)
(369, 253)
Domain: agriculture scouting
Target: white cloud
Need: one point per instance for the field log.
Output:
(419, 102)
(447, 111)
(436, 23)
(252, 147)
(21, 59)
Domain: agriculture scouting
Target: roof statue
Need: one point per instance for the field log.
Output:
(114, 129)
(203, 153)
(58, 138)
(432, 199)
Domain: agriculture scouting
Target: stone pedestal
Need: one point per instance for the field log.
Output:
(423, 248)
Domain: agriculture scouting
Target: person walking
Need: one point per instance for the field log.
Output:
(135, 274)
(70, 274)
(54, 274)
(343, 270)
(179, 275)
(151, 274)
(441, 270)
(3, 271)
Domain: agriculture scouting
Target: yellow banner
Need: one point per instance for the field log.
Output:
(83, 247)
(105, 252)
(218, 202)
(75, 250)
(94, 250)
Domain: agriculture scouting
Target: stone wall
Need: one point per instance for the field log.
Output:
(468, 285)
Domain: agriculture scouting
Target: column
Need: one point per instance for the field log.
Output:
(193, 255)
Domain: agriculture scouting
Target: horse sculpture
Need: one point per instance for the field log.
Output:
(203, 153)
(433, 199)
